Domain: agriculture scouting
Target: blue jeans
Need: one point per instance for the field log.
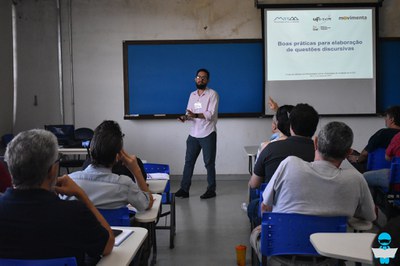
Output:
(253, 212)
(378, 178)
(193, 148)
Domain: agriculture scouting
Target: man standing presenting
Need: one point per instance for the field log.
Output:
(202, 112)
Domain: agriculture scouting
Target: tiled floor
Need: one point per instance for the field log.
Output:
(207, 230)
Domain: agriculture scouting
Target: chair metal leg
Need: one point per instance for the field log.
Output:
(154, 240)
(172, 231)
(172, 220)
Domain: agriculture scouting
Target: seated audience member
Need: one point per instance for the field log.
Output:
(320, 187)
(303, 123)
(380, 139)
(34, 222)
(281, 120)
(106, 189)
(380, 178)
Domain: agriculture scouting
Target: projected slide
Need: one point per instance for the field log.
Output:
(319, 44)
(325, 57)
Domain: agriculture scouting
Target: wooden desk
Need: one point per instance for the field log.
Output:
(73, 151)
(151, 217)
(346, 246)
(124, 253)
(251, 151)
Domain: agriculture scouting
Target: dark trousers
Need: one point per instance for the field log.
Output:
(193, 148)
(253, 212)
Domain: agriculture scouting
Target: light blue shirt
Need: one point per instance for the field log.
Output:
(110, 191)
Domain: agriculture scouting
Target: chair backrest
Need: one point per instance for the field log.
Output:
(70, 261)
(376, 160)
(156, 168)
(6, 138)
(394, 183)
(289, 233)
(116, 217)
(160, 168)
(396, 160)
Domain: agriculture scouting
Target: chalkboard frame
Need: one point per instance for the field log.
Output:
(231, 72)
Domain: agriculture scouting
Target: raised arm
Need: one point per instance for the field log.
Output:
(130, 161)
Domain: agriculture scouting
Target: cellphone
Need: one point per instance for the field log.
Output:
(116, 232)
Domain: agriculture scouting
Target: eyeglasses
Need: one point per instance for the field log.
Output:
(202, 77)
(59, 157)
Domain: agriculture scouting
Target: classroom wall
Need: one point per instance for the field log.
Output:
(93, 32)
(6, 77)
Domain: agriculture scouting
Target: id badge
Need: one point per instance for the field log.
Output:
(197, 105)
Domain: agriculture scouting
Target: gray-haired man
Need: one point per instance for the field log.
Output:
(34, 222)
(320, 187)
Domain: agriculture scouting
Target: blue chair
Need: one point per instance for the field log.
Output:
(260, 192)
(168, 198)
(70, 261)
(376, 160)
(6, 138)
(289, 234)
(395, 160)
(388, 200)
(116, 217)
(160, 168)
(394, 184)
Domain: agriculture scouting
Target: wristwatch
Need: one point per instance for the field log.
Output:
(196, 115)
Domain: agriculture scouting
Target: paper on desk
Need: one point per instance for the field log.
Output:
(121, 237)
(160, 176)
(131, 208)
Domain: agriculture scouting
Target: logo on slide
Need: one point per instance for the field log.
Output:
(353, 18)
(286, 20)
(320, 20)
(384, 253)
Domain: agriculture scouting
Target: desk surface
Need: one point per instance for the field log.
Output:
(124, 253)
(73, 151)
(152, 214)
(347, 246)
(157, 185)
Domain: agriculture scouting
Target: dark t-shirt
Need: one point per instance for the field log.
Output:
(36, 224)
(381, 139)
(275, 152)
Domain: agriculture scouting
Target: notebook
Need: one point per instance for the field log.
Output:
(122, 236)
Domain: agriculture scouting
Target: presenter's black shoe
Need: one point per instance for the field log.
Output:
(208, 194)
(182, 194)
